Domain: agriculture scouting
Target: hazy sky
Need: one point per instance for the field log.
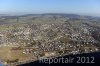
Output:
(88, 7)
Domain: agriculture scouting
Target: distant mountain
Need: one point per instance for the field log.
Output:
(46, 17)
(5, 15)
(92, 18)
(72, 16)
(51, 14)
(55, 14)
(62, 14)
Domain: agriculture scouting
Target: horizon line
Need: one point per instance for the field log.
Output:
(20, 13)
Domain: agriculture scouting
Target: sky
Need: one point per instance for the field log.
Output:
(85, 7)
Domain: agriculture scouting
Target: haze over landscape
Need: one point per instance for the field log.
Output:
(32, 30)
(83, 7)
